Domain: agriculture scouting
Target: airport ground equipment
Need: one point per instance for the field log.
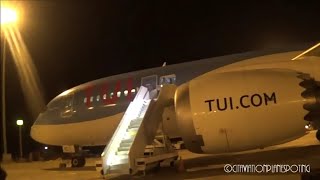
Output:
(137, 144)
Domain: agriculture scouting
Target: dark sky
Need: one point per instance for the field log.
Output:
(72, 42)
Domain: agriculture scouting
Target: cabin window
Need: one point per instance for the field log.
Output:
(118, 93)
(98, 98)
(111, 95)
(105, 96)
(91, 99)
(85, 100)
(133, 92)
(125, 93)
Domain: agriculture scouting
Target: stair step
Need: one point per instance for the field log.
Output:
(137, 120)
(127, 140)
(137, 125)
(128, 135)
(125, 144)
(133, 129)
(122, 152)
(134, 125)
(121, 156)
(124, 148)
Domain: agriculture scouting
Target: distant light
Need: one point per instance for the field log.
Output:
(8, 15)
(161, 85)
(19, 122)
(308, 127)
(46, 147)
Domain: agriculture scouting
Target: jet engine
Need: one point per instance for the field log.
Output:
(243, 110)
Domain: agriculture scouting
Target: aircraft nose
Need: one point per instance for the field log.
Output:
(35, 129)
(33, 132)
(44, 132)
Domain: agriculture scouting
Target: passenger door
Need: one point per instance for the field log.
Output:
(151, 82)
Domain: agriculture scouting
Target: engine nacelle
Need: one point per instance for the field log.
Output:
(243, 110)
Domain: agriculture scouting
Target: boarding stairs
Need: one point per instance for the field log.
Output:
(135, 143)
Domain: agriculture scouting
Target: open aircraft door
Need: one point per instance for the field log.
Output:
(151, 82)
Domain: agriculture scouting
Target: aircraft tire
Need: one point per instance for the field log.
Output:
(78, 162)
(318, 135)
(82, 161)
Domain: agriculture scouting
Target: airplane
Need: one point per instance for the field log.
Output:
(224, 104)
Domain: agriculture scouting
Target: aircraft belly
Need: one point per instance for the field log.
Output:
(88, 133)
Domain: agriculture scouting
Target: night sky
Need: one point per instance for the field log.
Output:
(72, 42)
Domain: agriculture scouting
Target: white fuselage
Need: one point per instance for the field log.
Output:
(99, 131)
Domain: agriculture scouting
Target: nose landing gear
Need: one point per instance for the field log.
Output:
(74, 156)
(78, 161)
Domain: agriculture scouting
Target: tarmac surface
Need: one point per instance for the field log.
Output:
(303, 151)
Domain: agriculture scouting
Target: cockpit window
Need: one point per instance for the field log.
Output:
(312, 52)
(54, 103)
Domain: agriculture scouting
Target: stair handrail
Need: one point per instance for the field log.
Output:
(110, 150)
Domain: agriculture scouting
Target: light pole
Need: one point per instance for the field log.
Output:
(20, 124)
(8, 17)
(3, 97)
